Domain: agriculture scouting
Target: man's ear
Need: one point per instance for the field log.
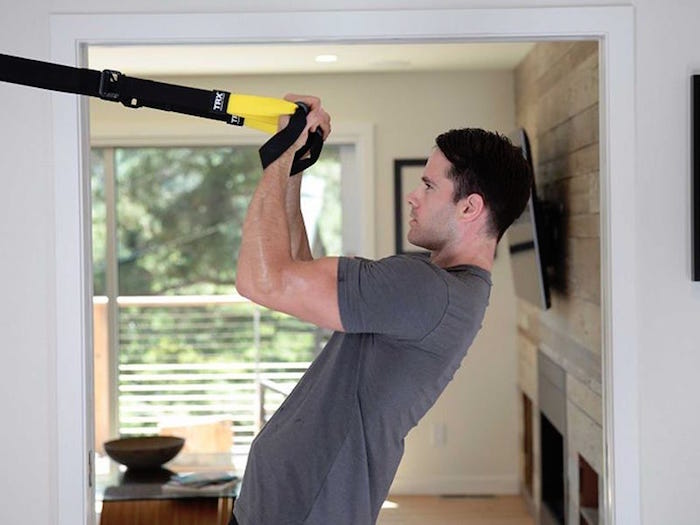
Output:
(471, 207)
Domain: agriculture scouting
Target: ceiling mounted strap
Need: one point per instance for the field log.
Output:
(260, 113)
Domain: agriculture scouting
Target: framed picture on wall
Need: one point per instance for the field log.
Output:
(695, 183)
(407, 175)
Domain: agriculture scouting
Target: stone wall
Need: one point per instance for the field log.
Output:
(556, 89)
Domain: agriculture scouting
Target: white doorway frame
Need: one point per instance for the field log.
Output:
(613, 27)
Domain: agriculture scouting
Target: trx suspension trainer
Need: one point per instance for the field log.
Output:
(260, 113)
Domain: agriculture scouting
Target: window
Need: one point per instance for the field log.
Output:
(182, 347)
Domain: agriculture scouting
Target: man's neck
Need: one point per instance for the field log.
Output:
(480, 253)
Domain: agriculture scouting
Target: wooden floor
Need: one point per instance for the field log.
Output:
(437, 510)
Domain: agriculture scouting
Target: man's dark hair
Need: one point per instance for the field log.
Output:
(488, 164)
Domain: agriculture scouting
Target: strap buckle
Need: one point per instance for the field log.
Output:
(109, 84)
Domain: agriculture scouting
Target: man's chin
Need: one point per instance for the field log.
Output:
(417, 243)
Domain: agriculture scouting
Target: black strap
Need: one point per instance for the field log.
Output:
(135, 93)
(117, 87)
(283, 140)
(49, 76)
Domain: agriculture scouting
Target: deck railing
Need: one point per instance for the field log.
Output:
(187, 360)
(154, 396)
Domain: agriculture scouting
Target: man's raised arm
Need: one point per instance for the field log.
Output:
(274, 269)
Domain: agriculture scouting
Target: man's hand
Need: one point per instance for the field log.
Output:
(316, 119)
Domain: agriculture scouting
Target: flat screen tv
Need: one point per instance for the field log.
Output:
(526, 240)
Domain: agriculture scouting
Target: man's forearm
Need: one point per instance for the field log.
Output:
(299, 240)
(265, 246)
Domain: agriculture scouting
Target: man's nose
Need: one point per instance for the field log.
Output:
(411, 198)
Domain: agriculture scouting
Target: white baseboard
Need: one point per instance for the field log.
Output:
(453, 485)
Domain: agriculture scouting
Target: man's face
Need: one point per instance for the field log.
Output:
(433, 212)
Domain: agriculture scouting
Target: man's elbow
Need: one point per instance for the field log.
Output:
(259, 287)
(244, 288)
(251, 288)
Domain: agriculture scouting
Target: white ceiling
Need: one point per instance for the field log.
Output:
(300, 58)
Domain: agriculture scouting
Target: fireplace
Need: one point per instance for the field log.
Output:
(552, 398)
(588, 493)
(552, 456)
(528, 456)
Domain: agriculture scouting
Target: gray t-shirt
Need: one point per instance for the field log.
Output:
(330, 452)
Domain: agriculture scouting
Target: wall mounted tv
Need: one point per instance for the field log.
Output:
(527, 240)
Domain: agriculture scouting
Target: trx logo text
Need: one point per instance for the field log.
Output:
(219, 98)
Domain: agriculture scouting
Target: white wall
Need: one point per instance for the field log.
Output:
(669, 304)
(668, 52)
(406, 112)
(26, 281)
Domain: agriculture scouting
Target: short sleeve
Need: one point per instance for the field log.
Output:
(401, 296)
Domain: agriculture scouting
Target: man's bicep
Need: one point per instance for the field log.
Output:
(309, 291)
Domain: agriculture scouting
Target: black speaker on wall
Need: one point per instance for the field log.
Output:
(695, 145)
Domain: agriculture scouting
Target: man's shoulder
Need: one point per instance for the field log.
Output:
(416, 268)
(400, 261)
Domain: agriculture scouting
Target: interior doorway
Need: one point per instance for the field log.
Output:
(73, 393)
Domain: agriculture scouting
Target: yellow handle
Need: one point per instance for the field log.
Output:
(259, 112)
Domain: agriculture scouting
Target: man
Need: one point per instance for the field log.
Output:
(402, 326)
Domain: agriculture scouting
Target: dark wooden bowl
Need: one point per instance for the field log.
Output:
(146, 452)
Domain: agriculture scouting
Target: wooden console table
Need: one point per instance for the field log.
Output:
(138, 498)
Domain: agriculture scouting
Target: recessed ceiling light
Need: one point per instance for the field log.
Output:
(327, 58)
